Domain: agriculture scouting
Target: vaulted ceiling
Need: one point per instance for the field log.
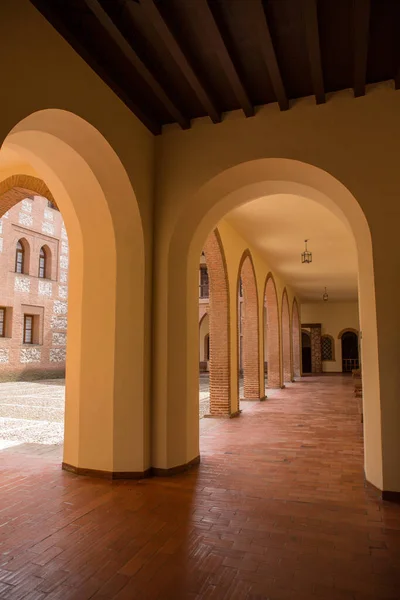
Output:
(171, 61)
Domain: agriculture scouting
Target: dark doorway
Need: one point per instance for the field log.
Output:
(349, 351)
(306, 352)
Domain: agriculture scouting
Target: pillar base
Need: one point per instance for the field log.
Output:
(385, 495)
(228, 416)
(115, 475)
(253, 399)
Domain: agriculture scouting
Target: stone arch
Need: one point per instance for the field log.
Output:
(346, 330)
(15, 188)
(296, 361)
(273, 336)
(251, 347)
(219, 326)
(286, 341)
(90, 186)
(177, 255)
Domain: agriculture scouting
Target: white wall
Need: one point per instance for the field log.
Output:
(333, 316)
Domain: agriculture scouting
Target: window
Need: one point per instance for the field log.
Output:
(327, 347)
(204, 284)
(2, 322)
(51, 204)
(19, 258)
(28, 329)
(42, 263)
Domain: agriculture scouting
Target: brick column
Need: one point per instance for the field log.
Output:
(287, 369)
(220, 404)
(273, 337)
(251, 347)
(295, 340)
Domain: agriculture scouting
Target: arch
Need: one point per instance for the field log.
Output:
(296, 339)
(44, 271)
(219, 321)
(97, 201)
(273, 337)
(328, 350)
(22, 256)
(251, 347)
(346, 330)
(177, 255)
(207, 347)
(286, 342)
(16, 187)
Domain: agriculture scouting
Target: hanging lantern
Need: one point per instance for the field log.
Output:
(325, 296)
(306, 256)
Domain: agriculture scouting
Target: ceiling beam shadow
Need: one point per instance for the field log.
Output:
(313, 49)
(115, 34)
(361, 18)
(175, 51)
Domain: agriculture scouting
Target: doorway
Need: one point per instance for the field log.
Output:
(306, 351)
(349, 351)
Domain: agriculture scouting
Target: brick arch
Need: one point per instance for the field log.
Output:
(251, 346)
(347, 330)
(273, 337)
(220, 380)
(285, 320)
(296, 339)
(15, 188)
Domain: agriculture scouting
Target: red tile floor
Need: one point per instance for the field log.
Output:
(277, 509)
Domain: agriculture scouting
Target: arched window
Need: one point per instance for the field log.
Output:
(42, 263)
(327, 348)
(19, 258)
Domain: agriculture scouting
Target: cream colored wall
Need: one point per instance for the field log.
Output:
(79, 169)
(334, 317)
(355, 144)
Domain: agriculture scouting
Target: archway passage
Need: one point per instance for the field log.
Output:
(219, 360)
(306, 352)
(273, 337)
(252, 389)
(296, 339)
(350, 360)
(287, 369)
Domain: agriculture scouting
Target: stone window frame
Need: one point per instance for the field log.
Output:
(332, 340)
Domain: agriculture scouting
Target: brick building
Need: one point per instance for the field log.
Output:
(33, 294)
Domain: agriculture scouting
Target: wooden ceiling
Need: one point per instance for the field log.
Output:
(172, 61)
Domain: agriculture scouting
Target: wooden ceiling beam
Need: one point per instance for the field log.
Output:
(259, 20)
(361, 16)
(214, 38)
(115, 34)
(149, 122)
(313, 49)
(179, 57)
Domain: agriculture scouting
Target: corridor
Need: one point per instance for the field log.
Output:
(277, 509)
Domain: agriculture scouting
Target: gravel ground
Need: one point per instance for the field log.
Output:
(32, 412)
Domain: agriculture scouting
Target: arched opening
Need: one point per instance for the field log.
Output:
(219, 360)
(296, 339)
(349, 342)
(248, 329)
(273, 337)
(44, 271)
(22, 257)
(89, 183)
(306, 352)
(286, 358)
(220, 195)
(327, 348)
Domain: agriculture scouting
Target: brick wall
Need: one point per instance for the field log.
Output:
(296, 339)
(37, 225)
(273, 337)
(287, 369)
(250, 331)
(219, 326)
